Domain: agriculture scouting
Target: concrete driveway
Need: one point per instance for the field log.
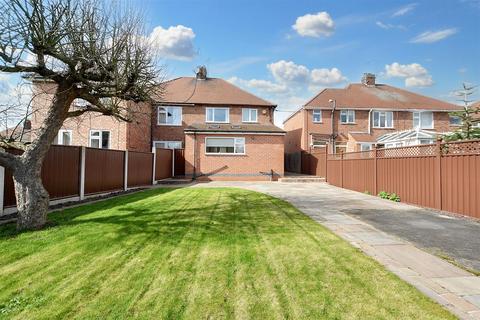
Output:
(399, 236)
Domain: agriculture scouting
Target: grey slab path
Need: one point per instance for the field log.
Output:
(363, 220)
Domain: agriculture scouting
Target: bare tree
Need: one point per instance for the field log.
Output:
(88, 51)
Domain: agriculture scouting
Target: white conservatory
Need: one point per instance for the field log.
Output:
(406, 138)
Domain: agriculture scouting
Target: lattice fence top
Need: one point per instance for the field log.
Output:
(462, 147)
(405, 152)
(359, 155)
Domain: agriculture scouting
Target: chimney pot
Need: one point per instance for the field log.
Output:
(368, 79)
(202, 73)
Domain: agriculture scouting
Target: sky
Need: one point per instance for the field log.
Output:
(288, 51)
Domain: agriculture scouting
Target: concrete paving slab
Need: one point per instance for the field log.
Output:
(474, 299)
(468, 285)
(375, 238)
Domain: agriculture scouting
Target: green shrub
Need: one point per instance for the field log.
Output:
(394, 197)
(384, 195)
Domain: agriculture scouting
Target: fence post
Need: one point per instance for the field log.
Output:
(154, 165)
(438, 174)
(375, 187)
(125, 171)
(2, 188)
(83, 151)
(173, 162)
(326, 162)
(341, 167)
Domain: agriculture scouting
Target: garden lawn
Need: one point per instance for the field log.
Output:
(195, 253)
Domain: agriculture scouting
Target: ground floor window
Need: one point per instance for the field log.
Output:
(168, 144)
(63, 137)
(214, 145)
(100, 139)
(365, 147)
(340, 148)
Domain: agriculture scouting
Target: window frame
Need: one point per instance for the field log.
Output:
(419, 113)
(217, 108)
(249, 110)
(317, 112)
(450, 117)
(167, 142)
(379, 126)
(60, 137)
(100, 138)
(363, 144)
(166, 116)
(347, 111)
(227, 153)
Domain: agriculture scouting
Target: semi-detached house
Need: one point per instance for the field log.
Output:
(223, 132)
(366, 114)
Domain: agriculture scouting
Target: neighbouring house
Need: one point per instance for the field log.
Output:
(221, 131)
(366, 114)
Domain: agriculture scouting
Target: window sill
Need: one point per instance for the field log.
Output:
(383, 128)
(218, 122)
(319, 122)
(348, 123)
(249, 121)
(226, 154)
(168, 125)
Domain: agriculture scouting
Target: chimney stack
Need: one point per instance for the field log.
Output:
(202, 73)
(368, 79)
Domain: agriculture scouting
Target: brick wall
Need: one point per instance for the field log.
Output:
(197, 114)
(80, 126)
(294, 138)
(263, 153)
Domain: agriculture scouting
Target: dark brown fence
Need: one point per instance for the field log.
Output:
(445, 176)
(163, 164)
(293, 162)
(179, 162)
(103, 171)
(140, 166)
(314, 163)
(60, 175)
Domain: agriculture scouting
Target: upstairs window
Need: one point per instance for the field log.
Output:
(383, 119)
(423, 120)
(455, 121)
(64, 137)
(225, 145)
(249, 115)
(347, 116)
(100, 139)
(169, 116)
(218, 115)
(317, 115)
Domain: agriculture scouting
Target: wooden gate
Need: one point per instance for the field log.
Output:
(179, 162)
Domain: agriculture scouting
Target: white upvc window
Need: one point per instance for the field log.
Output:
(382, 119)
(455, 121)
(423, 120)
(317, 115)
(224, 145)
(169, 116)
(218, 115)
(99, 139)
(249, 115)
(64, 137)
(365, 146)
(168, 144)
(347, 116)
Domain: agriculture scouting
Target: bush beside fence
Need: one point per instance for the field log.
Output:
(72, 172)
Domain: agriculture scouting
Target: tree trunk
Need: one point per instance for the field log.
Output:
(32, 198)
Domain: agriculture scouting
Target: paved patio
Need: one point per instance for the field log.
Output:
(397, 235)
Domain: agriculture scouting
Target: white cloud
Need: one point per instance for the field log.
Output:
(288, 71)
(404, 10)
(294, 74)
(176, 42)
(314, 25)
(388, 26)
(415, 74)
(260, 85)
(434, 36)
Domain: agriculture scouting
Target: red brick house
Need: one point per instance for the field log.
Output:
(364, 114)
(225, 132)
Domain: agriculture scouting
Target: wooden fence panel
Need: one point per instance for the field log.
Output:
(359, 175)
(163, 163)
(334, 172)
(461, 184)
(179, 162)
(60, 174)
(293, 162)
(140, 166)
(104, 170)
(411, 178)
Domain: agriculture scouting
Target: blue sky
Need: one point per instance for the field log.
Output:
(286, 51)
